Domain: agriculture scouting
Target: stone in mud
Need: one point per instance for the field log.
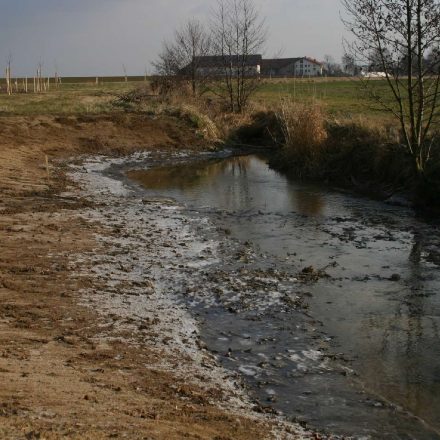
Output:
(309, 270)
(399, 200)
(395, 277)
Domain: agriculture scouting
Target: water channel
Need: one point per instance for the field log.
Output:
(377, 310)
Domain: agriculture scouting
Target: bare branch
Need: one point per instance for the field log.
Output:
(403, 36)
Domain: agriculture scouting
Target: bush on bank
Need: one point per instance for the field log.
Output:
(357, 154)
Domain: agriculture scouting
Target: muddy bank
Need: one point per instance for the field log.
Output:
(153, 250)
(93, 345)
(27, 180)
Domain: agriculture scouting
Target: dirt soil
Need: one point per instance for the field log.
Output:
(58, 378)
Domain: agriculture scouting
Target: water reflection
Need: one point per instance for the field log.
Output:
(231, 183)
(415, 257)
(227, 181)
(309, 203)
(180, 176)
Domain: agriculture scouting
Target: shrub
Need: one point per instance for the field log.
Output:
(428, 189)
(167, 86)
(350, 153)
(304, 134)
(263, 129)
(364, 152)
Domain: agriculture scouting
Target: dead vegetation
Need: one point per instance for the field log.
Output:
(303, 127)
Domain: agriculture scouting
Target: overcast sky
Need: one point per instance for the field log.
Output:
(96, 37)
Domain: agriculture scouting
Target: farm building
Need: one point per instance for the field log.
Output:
(215, 65)
(303, 66)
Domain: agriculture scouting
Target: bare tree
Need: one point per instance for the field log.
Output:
(329, 62)
(182, 57)
(38, 80)
(239, 35)
(168, 63)
(56, 77)
(400, 34)
(331, 66)
(193, 43)
(349, 64)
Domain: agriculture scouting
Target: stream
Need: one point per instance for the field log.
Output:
(351, 344)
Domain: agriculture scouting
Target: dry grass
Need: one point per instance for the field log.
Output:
(205, 126)
(304, 130)
(70, 99)
(184, 106)
(205, 113)
(304, 136)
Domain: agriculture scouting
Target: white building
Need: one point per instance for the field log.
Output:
(302, 67)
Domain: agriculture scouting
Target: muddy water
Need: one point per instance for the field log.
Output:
(362, 356)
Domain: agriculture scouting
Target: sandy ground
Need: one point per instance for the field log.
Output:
(89, 346)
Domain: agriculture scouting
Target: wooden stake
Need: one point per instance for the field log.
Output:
(7, 84)
(8, 80)
(47, 168)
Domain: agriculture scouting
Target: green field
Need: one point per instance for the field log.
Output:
(339, 97)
